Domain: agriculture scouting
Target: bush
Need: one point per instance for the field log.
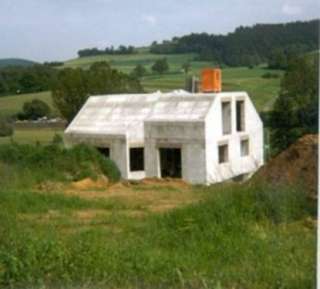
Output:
(57, 139)
(33, 110)
(270, 75)
(139, 71)
(6, 127)
(160, 66)
(53, 162)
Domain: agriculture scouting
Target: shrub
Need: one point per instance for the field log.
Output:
(160, 66)
(6, 127)
(57, 139)
(54, 162)
(33, 110)
(270, 75)
(139, 71)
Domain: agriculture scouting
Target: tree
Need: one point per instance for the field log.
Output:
(73, 86)
(295, 112)
(139, 71)
(160, 66)
(186, 67)
(246, 46)
(278, 59)
(33, 110)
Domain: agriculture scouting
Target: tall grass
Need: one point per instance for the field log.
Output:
(242, 236)
(22, 166)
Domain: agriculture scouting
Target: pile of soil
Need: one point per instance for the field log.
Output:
(88, 183)
(296, 165)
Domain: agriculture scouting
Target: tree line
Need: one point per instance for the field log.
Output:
(295, 112)
(73, 86)
(247, 46)
(121, 50)
(19, 79)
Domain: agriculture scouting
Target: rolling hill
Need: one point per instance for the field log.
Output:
(263, 91)
(15, 62)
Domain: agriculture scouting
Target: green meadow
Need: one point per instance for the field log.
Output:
(32, 136)
(263, 91)
(59, 232)
(12, 104)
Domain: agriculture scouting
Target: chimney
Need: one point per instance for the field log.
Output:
(211, 80)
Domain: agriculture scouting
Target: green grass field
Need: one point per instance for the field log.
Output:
(150, 234)
(12, 104)
(263, 91)
(59, 229)
(32, 136)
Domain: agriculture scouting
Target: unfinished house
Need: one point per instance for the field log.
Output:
(202, 138)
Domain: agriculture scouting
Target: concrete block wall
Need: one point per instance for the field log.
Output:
(237, 164)
(188, 136)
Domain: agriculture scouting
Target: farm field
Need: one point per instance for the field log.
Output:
(263, 91)
(12, 104)
(32, 136)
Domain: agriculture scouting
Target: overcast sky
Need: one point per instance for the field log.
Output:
(56, 29)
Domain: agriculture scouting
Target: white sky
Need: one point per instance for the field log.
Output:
(56, 29)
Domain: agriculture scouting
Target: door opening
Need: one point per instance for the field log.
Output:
(136, 159)
(170, 162)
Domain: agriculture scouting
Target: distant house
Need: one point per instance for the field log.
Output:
(202, 138)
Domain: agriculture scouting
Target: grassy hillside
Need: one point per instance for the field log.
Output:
(126, 63)
(263, 91)
(15, 62)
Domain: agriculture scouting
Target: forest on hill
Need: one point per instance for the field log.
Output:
(246, 46)
(5, 62)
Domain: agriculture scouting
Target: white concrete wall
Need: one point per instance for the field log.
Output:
(189, 136)
(237, 165)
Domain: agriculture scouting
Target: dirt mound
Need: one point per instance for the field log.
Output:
(296, 165)
(88, 183)
(179, 183)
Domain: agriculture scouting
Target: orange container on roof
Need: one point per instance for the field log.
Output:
(211, 80)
